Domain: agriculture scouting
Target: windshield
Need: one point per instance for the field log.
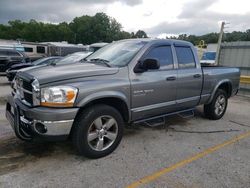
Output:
(37, 62)
(72, 58)
(208, 56)
(117, 53)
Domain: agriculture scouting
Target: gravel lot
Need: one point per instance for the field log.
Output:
(4, 89)
(143, 152)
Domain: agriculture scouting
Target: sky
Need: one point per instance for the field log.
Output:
(158, 18)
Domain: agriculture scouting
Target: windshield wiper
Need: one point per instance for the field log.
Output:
(104, 61)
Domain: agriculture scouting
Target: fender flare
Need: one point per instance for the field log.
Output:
(216, 88)
(105, 94)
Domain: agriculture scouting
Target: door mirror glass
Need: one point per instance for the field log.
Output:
(147, 64)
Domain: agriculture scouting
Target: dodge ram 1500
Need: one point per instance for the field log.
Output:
(127, 81)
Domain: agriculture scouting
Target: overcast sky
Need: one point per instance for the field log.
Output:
(157, 17)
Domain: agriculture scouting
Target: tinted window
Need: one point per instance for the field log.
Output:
(163, 54)
(40, 49)
(49, 61)
(185, 57)
(27, 49)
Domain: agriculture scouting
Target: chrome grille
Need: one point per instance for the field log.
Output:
(23, 90)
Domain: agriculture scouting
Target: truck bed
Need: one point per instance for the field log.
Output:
(215, 75)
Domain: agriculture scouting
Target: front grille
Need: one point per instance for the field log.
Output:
(27, 85)
(24, 90)
(28, 98)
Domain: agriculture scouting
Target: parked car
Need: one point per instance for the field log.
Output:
(208, 58)
(11, 72)
(128, 81)
(96, 46)
(73, 58)
(9, 57)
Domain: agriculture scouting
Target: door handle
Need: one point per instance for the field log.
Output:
(197, 76)
(171, 78)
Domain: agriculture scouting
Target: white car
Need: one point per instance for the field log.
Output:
(208, 58)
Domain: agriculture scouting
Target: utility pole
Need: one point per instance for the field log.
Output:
(219, 43)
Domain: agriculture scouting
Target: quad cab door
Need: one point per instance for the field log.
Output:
(153, 92)
(189, 76)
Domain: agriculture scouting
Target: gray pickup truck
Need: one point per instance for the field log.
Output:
(126, 82)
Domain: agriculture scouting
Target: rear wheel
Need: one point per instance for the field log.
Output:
(97, 131)
(217, 108)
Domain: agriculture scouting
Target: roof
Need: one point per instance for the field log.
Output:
(99, 44)
(155, 40)
(62, 44)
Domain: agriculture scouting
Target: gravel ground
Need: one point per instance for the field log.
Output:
(4, 89)
(143, 151)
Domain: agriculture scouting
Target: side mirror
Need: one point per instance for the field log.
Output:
(147, 64)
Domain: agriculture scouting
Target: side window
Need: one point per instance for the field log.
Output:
(48, 62)
(28, 49)
(185, 57)
(164, 55)
(40, 49)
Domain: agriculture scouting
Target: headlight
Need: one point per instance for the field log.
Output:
(36, 92)
(59, 96)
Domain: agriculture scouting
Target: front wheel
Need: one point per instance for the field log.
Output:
(97, 131)
(217, 108)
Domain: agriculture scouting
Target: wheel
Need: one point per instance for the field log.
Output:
(217, 108)
(97, 131)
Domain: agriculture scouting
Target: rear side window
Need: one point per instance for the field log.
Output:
(40, 49)
(185, 57)
(28, 49)
(163, 54)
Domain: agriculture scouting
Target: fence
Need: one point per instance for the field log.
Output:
(237, 54)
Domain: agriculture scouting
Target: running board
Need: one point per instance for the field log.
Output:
(156, 122)
(187, 114)
(182, 113)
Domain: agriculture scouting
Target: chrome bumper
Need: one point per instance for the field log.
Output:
(39, 122)
(51, 128)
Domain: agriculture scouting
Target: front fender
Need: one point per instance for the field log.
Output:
(103, 94)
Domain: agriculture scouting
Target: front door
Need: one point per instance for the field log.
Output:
(154, 91)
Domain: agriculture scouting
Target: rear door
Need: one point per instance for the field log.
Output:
(154, 91)
(189, 75)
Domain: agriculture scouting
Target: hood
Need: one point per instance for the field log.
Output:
(20, 66)
(47, 74)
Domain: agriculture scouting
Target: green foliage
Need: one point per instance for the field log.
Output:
(213, 37)
(84, 29)
(139, 34)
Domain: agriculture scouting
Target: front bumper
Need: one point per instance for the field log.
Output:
(40, 123)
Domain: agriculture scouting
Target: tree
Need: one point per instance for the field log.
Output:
(85, 29)
(139, 34)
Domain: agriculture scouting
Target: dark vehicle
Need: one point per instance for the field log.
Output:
(11, 72)
(9, 57)
(125, 82)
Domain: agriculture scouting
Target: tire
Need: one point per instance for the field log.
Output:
(217, 108)
(102, 123)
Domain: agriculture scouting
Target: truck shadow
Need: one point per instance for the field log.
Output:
(15, 154)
